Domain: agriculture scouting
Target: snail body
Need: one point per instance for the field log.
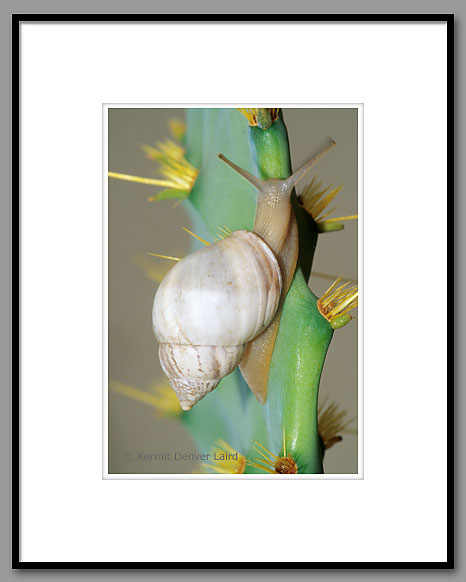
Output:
(220, 306)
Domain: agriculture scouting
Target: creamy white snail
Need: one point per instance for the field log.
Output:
(219, 307)
(209, 306)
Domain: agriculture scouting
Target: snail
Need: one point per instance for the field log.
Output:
(219, 307)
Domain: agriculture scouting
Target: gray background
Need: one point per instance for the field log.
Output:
(212, 6)
(137, 226)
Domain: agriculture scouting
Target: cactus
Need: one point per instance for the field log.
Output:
(284, 434)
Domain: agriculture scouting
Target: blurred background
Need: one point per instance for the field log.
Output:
(137, 226)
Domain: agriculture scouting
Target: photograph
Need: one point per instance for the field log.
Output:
(222, 243)
(233, 290)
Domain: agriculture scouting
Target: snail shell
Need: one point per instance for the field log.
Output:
(209, 306)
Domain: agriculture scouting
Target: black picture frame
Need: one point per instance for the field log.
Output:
(17, 20)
